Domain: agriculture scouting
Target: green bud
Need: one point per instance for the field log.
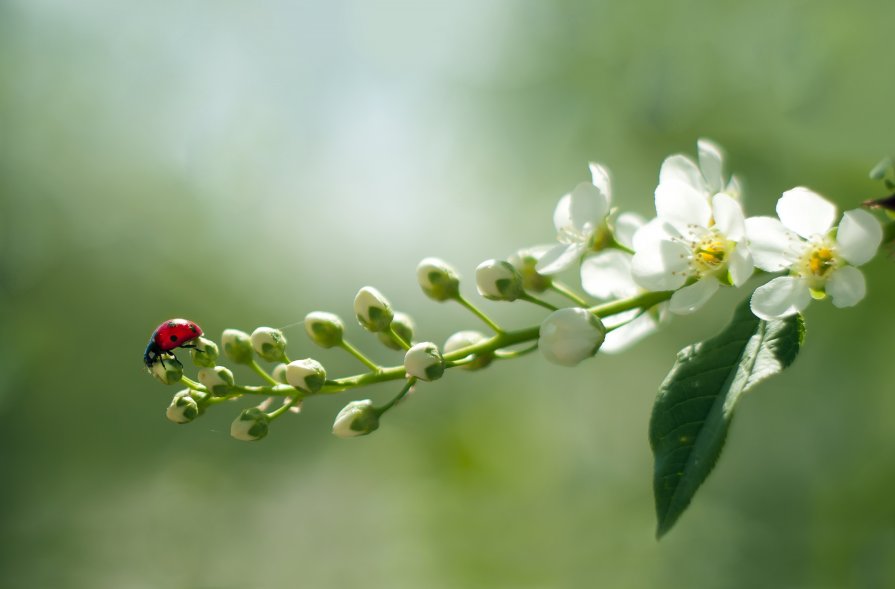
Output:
(306, 375)
(217, 380)
(269, 343)
(183, 408)
(498, 280)
(279, 373)
(424, 361)
(403, 325)
(525, 261)
(464, 339)
(373, 310)
(357, 418)
(167, 369)
(438, 279)
(251, 425)
(325, 329)
(205, 353)
(237, 346)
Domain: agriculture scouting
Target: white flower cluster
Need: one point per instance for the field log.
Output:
(701, 240)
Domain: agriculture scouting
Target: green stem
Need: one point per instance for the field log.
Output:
(262, 373)
(357, 354)
(284, 407)
(567, 292)
(511, 354)
(401, 342)
(529, 298)
(192, 384)
(475, 311)
(406, 389)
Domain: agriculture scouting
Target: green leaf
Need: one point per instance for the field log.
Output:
(695, 404)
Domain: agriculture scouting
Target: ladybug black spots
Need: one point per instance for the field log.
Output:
(171, 334)
(173, 338)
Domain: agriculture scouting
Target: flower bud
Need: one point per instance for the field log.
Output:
(498, 280)
(269, 343)
(306, 375)
(424, 361)
(325, 329)
(167, 369)
(205, 353)
(251, 425)
(463, 339)
(438, 279)
(403, 325)
(237, 346)
(279, 373)
(525, 262)
(217, 380)
(183, 408)
(570, 335)
(357, 418)
(372, 309)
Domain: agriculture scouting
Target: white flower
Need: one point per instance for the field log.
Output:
(580, 221)
(183, 408)
(570, 335)
(424, 361)
(306, 375)
(818, 260)
(269, 343)
(697, 236)
(464, 339)
(325, 329)
(217, 380)
(251, 425)
(357, 418)
(526, 261)
(498, 280)
(373, 310)
(237, 346)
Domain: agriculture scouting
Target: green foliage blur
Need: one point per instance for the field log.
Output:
(241, 164)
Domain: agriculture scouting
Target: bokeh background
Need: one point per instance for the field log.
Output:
(242, 164)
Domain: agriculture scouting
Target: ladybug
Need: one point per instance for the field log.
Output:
(173, 333)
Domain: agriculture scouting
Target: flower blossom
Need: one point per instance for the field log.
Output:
(580, 221)
(819, 261)
(697, 241)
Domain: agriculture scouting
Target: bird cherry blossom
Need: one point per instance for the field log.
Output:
(819, 261)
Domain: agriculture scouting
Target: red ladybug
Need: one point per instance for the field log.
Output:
(173, 333)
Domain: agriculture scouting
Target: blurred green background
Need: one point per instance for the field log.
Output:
(241, 164)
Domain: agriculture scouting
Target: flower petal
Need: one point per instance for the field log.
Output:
(729, 216)
(711, 162)
(649, 235)
(683, 205)
(806, 212)
(559, 257)
(846, 286)
(692, 298)
(773, 247)
(859, 236)
(781, 297)
(661, 268)
(607, 275)
(600, 179)
(621, 338)
(626, 225)
(740, 265)
(734, 188)
(680, 168)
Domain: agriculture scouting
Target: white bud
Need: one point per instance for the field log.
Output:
(167, 369)
(424, 361)
(217, 380)
(279, 373)
(269, 343)
(237, 346)
(373, 310)
(357, 418)
(438, 279)
(325, 329)
(526, 261)
(498, 280)
(403, 325)
(464, 339)
(571, 335)
(306, 375)
(251, 425)
(183, 408)
(205, 353)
